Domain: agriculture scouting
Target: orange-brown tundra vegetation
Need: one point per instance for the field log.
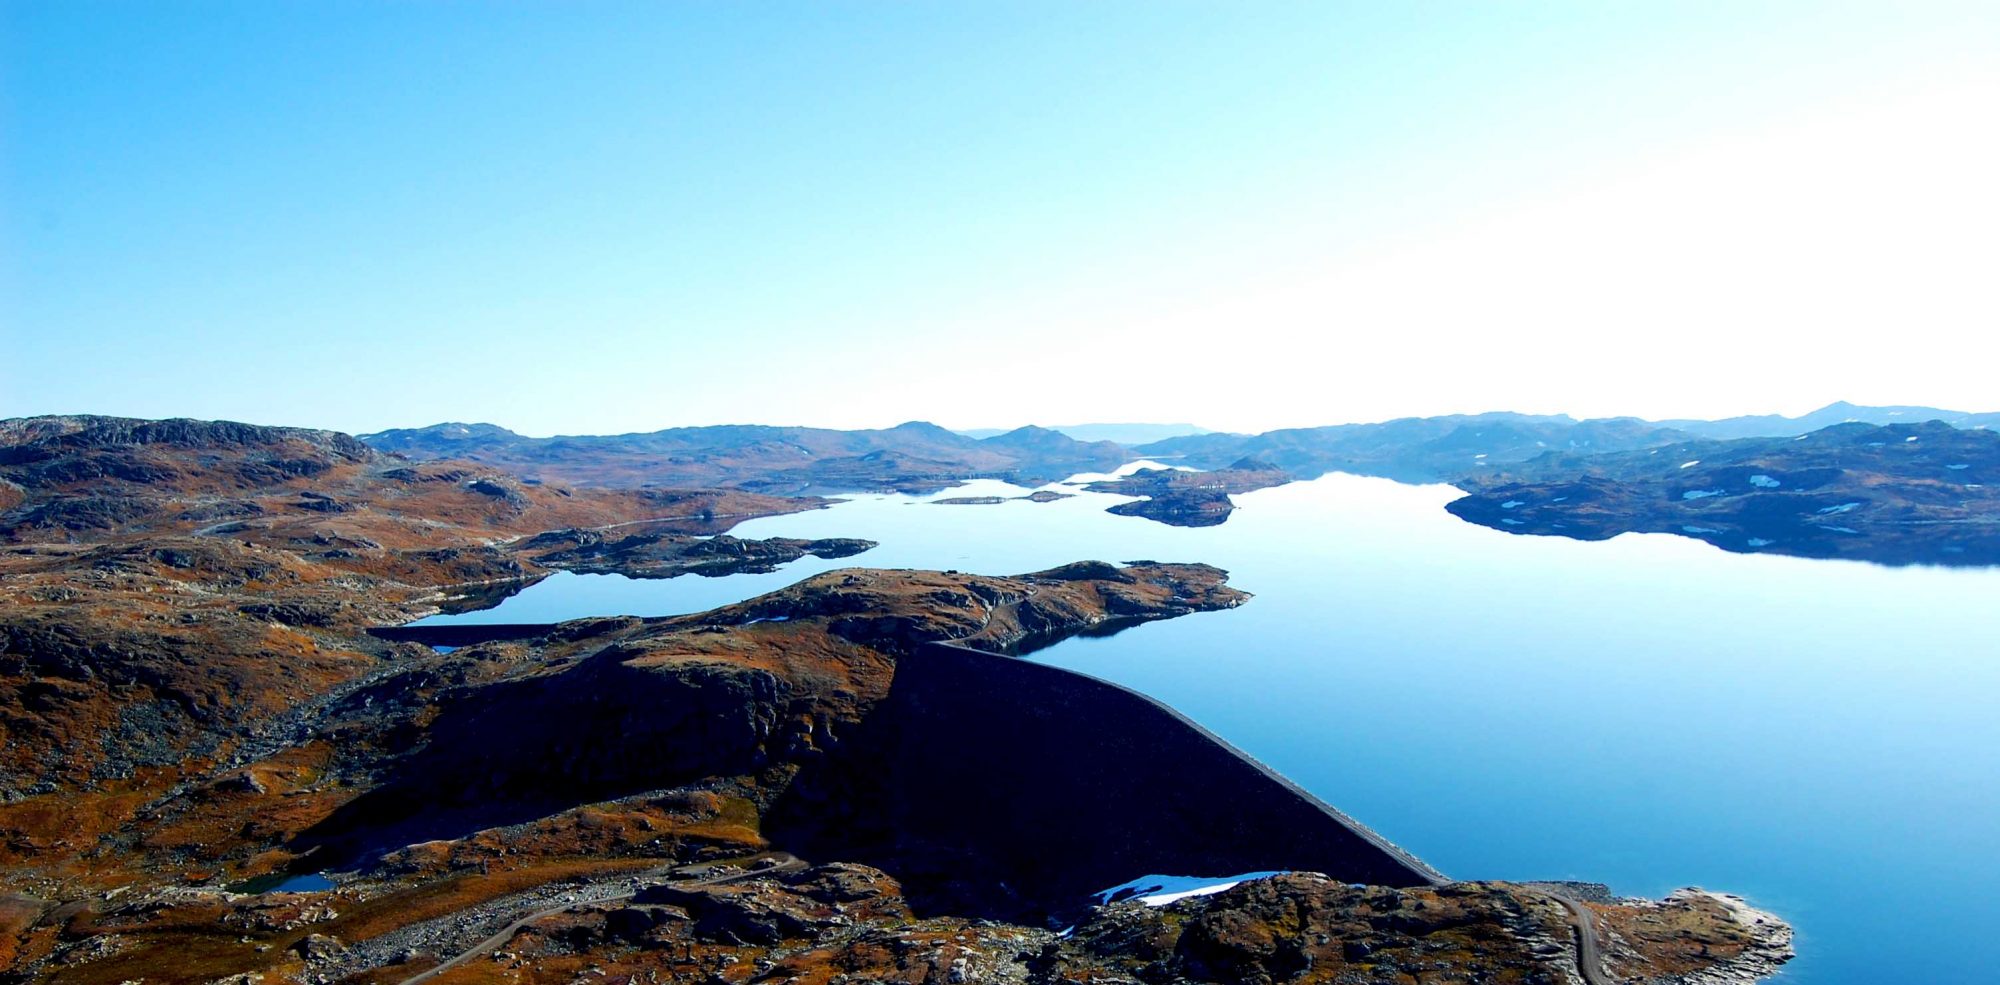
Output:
(192, 710)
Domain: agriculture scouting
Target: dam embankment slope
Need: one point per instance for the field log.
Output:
(980, 769)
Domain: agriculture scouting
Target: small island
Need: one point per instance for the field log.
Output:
(1187, 497)
(1038, 496)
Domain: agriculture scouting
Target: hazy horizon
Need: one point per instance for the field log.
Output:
(1001, 427)
(608, 218)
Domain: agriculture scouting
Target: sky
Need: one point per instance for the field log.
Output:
(601, 217)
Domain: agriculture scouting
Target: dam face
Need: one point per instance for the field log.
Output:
(980, 771)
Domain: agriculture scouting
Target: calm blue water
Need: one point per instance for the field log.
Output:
(1650, 712)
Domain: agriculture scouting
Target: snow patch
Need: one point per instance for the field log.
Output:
(1689, 465)
(1511, 504)
(1761, 542)
(1701, 493)
(1842, 508)
(1958, 468)
(1159, 890)
(1700, 530)
(1764, 482)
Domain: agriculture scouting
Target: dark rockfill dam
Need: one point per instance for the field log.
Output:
(980, 770)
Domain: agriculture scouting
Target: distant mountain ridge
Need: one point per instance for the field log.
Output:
(1418, 449)
(1438, 449)
(1124, 434)
(912, 457)
(1839, 412)
(920, 457)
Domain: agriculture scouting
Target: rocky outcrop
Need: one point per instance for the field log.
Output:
(1693, 937)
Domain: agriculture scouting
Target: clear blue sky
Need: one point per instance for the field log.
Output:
(591, 217)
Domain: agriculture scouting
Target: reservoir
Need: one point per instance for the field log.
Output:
(1822, 737)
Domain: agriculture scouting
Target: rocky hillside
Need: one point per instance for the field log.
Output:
(1897, 494)
(170, 584)
(95, 479)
